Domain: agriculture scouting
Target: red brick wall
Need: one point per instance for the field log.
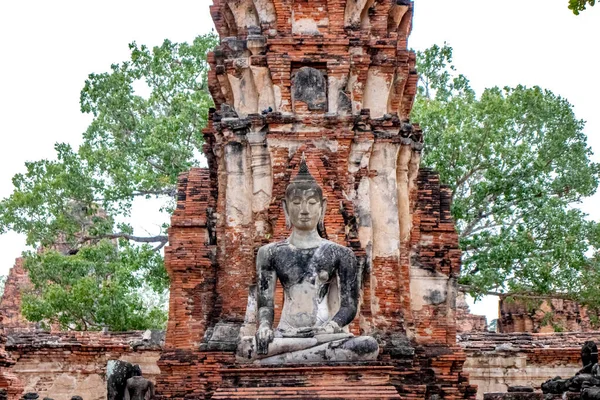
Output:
(65, 364)
(10, 305)
(543, 316)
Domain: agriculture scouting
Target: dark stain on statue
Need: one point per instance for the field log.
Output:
(310, 87)
(434, 297)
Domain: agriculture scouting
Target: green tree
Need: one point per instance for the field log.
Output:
(148, 115)
(518, 163)
(580, 5)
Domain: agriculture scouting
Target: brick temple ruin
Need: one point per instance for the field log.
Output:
(332, 81)
(335, 82)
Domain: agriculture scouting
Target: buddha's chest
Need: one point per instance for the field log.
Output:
(311, 266)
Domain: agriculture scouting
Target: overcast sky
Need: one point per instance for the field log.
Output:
(49, 48)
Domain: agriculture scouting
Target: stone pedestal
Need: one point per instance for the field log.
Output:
(365, 381)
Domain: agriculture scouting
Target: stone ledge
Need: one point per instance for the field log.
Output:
(143, 340)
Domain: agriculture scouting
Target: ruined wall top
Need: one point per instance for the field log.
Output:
(332, 19)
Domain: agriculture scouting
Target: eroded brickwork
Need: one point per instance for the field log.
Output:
(65, 364)
(8, 380)
(543, 316)
(10, 305)
(465, 321)
(334, 82)
(496, 361)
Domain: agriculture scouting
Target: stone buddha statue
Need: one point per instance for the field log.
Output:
(320, 284)
(139, 388)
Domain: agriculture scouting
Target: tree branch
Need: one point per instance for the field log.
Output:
(139, 239)
(465, 178)
(155, 166)
(170, 191)
(526, 295)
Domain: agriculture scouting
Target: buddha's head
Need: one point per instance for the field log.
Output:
(304, 204)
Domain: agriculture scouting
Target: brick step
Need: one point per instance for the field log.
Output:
(322, 392)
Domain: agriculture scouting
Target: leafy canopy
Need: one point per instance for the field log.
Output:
(148, 114)
(94, 288)
(580, 5)
(518, 163)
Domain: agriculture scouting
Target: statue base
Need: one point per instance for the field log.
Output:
(401, 374)
(365, 381)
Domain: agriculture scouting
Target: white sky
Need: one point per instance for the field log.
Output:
(49, 48)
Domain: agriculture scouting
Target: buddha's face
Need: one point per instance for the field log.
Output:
(304, 208)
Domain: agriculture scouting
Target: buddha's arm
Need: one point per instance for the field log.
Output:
(348, 278)
(127, 397)
(266, 278)
(266, 287)
(151, 388)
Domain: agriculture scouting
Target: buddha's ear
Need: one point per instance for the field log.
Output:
(322, 219)
(288, 222)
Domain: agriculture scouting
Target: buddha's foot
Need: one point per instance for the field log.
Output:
(341, 347)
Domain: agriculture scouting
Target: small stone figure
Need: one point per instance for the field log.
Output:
(320, 284)
(589, 357)
(586, 381)
(139, 388)
(591, 393)
(556, 385)
(119, 373)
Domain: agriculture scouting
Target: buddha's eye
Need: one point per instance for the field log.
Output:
(297, 201)
(312, 202)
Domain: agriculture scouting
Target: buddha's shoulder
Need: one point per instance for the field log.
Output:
(336, 248)
(271, 247)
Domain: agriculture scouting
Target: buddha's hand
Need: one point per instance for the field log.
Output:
(264, 336)
(328, 328)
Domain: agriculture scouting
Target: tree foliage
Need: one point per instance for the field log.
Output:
(518, 163)
(95, 288)
(580, 5)
(148, 114)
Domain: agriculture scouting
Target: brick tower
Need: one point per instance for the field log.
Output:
(333, 80)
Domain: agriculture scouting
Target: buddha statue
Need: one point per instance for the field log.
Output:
(321, 290)
(139, 388)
